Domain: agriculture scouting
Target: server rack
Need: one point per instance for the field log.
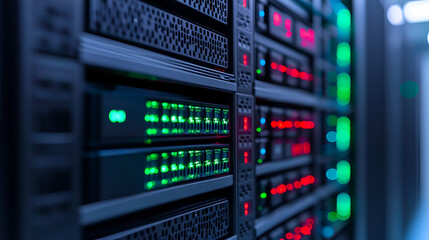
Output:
(142, 119)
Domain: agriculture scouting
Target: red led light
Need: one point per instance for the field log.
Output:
(246, 212)
(246, 157)
(311, 181)
(277, 18)
(310, 221)
(288, 124)
(273, 191)
(246, 209)
(305, 230)
(296, 236)
(282, 68)
(273, 124)
(246, 206)
(288, 26)
(281, 189)
(297, 124)
(295, 73)
(244, 3)
(289, 235)
(289, 187)
(245, 59)
(297, 185)
(280, 124)
(245, 121)
(307, 148)
(274, 65)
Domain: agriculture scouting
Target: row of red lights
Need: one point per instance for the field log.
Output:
(290, 124)
(292, 72)
(301, 148)
(277, 18)
(246, 209)
(299, 231)
(282, 188)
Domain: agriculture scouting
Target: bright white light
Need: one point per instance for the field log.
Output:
(428, 38)
(394, 15)
(416, 11)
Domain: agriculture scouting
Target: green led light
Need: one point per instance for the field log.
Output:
(165, 105)
(258, 71)
(343, 54)
(343, 134)
(117, 116)
(165, 118)
(343, 88)
(343, 172)
(263, 195)
(174, 167)
(164, 181)
(344, 21)
(149, 104)
(154, 157)
(155, 104)
(164, 155)
(343, 206)
(164, 168)
(332, 216)
(258, 129)
(150, 185)
(147, 118)
(174, 118)
(147, 171)
(165, 131)
(181, 166)
(332, 120)
(260, 160)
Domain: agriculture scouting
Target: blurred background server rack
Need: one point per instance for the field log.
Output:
(180, 119)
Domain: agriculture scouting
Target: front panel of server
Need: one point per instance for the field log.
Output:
(186, 119)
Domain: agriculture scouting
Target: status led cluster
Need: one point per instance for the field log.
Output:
(290, 124)
(343, 209)
(300, 231)
(165, 118)
(282, 188)
(341, 174)
(301, 149)
(343, 56)
(169, 167)
(293, 72)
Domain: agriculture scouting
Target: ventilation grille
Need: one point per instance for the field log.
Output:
(245, 192)
(245, 79)
(217, 9)
(245, 104)
(210, 222)
(141, 23)
(245, 141)
(245, 228)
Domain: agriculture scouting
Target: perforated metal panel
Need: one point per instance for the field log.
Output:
(141, 23)
(210, 222)
(216, 9)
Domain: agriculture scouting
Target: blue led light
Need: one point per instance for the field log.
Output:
(262, 62)
(263, 151)
(263, 120)
(328, 232)
(331, 136)
(262, 13)
(331, 174)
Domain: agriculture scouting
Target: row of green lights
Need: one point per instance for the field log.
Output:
(344, 22)
(343, 133)
(343, 88)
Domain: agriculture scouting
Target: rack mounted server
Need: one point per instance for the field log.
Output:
(180, 119)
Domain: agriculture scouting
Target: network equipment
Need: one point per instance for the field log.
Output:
(183, 119)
